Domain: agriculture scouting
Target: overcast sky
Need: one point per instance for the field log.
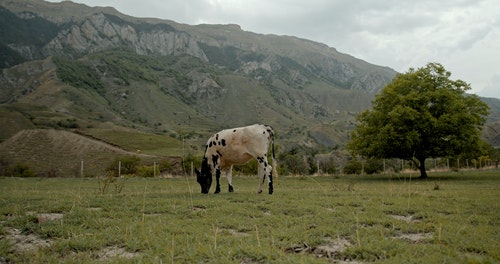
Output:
(462, 35)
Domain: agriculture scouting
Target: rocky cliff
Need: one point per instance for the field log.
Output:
(81, 30)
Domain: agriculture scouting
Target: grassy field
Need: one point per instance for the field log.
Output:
(450, 218)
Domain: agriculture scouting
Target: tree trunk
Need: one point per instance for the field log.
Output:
(421, 167)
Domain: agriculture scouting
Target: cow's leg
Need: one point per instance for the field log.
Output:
(269, 172)
(229, 177)
(217, 179)
(261, 172)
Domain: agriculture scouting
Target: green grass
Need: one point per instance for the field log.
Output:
(170, 221)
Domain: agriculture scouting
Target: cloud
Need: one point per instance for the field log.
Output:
(491, 88)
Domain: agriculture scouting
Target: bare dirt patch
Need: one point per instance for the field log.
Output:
(331, 249)
(42, 218)
(45, 217)
(201, 208)
(406, 218)
(237, 233)
(415, 237)
(116, 251)
(24, 243)
(411, 237)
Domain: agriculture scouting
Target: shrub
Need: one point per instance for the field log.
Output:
(190, 158)
(128, 165)
(164, 167)
(293, 164)
(328, 166)
(149, 170)
(353, 167)
(4, 164)
(145, 171)
(68, 123)
(374, 166)
(19, 170)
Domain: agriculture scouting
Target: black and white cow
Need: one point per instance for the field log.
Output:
(237, 146)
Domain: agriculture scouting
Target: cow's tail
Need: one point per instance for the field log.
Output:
(275, 163)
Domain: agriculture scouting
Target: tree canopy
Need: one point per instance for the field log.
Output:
(421, 114)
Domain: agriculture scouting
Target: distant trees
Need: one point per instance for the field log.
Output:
(300, 160)
(419, 115)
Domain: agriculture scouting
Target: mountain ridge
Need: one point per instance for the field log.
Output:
(92, 29)
(94, 70)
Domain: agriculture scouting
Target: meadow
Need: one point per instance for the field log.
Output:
(452, 217)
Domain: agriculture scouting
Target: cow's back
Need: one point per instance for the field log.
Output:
(239, 145)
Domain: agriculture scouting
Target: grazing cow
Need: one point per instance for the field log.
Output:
(237, 146)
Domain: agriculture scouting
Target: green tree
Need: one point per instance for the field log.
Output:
(421, 114)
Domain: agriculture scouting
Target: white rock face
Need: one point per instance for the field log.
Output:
(99, 33)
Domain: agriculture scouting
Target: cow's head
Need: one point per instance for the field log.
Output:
(204, 177)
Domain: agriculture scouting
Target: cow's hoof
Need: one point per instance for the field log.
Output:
(259, 191)
(231, 188)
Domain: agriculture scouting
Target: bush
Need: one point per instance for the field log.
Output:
(328, 166)
(353, 167)
(128, 165)
(293, 164)
(68, 123)
(149, 171)
(19, 170)
(164, 167)
(145, 171)
(4, 164)
(190, 158)
(374, 166)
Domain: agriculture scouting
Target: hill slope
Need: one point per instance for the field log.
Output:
(51, 152)
(161, 76)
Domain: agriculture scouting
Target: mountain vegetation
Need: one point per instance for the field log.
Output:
(119, 79)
